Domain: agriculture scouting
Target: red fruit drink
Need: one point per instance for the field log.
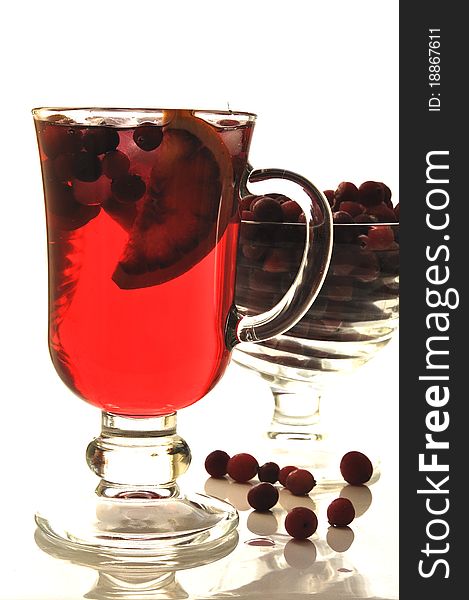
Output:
(142, 233)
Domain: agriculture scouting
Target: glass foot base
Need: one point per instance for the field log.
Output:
(316, 453)
(303, 433)
(174, 533)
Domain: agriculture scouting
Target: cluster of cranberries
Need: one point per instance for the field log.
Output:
(361, 285)
(83, 155)
(369, 203)
(300, 522)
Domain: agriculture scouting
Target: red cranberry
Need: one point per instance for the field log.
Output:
(366, 266)
(330, 196)
(396, 211)
(60, 199)
(267, 209)
(356, 468)
(245, 203)
(346, 192)
(247, 215)
(278, 260)
(269, 472)
(371, 193)
(387, 195)
(128, 189)
(340, 512)
(284, 473)
(383, 213)
(242, 467)
(252, 251)
(379, 237)
(63, 167)
(228, 122)
(291, 211)
(86, 166)
(115, 164)
(99, 140)
(148, 137)
(300, 482)
(280, 198)
(216, 463)
(263, 496)
(365, 218)
(352, 208)
(301, 522)
(57, 140)
(341, 218)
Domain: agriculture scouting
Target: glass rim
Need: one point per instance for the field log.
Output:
(387, 224)
(41, 113)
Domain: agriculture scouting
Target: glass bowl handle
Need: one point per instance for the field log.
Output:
(310, 277)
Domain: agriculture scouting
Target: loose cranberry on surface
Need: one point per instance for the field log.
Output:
(396, 211)
(263, 496)
(300, 482)
(267, 209)
(247, 215)
(356, 468)
(148, 137)
(301, 523)
(340, 512)
(242, 467)
(284, 473)
(268, 472)
(216, 463)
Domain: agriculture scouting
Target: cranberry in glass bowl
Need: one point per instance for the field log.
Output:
(353, 317)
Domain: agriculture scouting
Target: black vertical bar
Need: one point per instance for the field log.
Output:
(434, 244)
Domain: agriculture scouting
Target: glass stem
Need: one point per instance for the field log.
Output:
(296, 415)
(138, 457)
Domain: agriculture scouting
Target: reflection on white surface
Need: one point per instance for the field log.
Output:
(125, 577)
(288, 501)
(359, 495)
(262, 523)
(300, 554)
(340, 538)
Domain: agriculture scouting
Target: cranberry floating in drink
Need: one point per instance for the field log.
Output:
(143, 218)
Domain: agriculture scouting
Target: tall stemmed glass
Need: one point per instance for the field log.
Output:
(142, 223)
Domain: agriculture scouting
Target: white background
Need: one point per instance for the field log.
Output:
(322, 77)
